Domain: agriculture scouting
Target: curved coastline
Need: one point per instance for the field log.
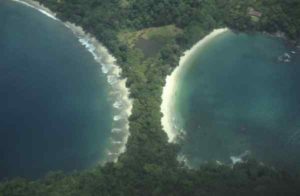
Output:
(119, 93)
(169, 90)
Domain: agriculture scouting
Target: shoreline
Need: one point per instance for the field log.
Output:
(118, 92)
(169, 90)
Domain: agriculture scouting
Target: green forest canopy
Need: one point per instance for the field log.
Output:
(150, 166)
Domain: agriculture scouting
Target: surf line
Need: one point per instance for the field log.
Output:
(119, 92)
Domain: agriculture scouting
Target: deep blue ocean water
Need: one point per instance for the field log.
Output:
(237, 96)
(55, 113)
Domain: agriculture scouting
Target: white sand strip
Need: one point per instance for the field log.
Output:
(167, 106)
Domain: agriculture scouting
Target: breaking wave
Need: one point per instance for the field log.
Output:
(119, 93)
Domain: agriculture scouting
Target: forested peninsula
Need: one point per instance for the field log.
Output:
(148, 37)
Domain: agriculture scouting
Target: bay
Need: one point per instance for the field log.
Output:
(55, 110)
(239, 97)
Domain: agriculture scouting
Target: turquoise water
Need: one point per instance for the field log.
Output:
(55, 112)
(238, 97)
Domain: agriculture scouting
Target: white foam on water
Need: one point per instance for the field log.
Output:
(119, 89)
(286, 57)
(116, 130)
(236, 160)
(108, 67)
(117, 142)
(112, 79)
(112, 153)
(118, 117)
(118, 105)
(118, 85)
(105, 68)
(239, 158)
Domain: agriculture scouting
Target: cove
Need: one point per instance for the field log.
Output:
(239, 97)
(55, 110)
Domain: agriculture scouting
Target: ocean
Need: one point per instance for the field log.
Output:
(55, 108)
(238, 97)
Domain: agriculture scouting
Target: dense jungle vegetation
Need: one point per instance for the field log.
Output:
(150, 166)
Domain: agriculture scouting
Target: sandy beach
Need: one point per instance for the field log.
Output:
(119, 93)
(169, 90)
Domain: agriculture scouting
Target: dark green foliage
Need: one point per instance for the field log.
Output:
(246, 179)
(149, 166)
